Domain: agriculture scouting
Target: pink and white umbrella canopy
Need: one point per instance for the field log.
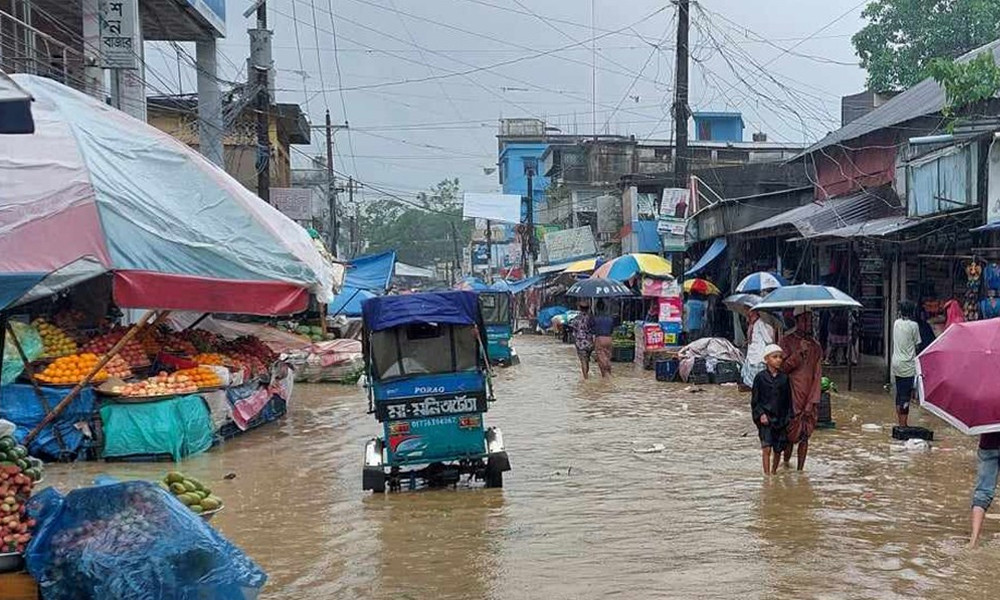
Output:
(956, 376)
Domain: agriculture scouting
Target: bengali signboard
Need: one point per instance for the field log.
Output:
(119, 34)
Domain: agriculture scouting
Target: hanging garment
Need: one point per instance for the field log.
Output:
(989, 308)
(992, 276)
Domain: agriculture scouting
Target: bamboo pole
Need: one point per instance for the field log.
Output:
(34, 382)
(59, 408)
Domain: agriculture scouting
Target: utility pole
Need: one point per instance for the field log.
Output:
(681, 161)
(489, 252)
(458, 255)
(331, 186)
(528, 258)
(260, 48)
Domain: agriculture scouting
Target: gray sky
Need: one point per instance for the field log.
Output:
(424, 82)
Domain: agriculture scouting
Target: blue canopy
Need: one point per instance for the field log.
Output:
(453, 308)
(516, 287)
(15, 285)
(372, 272)
(348, 302)
(713, 252)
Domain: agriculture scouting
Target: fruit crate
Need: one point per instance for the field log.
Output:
(623, 354)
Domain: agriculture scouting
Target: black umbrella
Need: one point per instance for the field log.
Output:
(598, 288)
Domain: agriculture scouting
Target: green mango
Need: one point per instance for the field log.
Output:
(190, 486)
(196, 508)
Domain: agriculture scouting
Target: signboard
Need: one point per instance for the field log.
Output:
(480, 254)
(671, 310)
(672, 334)
(294, 203)
(212, 11)
(502, 208)
(119, 34)
(674, 203)
(673, 231)
(652, 335)
(570, 244)
(414, 408)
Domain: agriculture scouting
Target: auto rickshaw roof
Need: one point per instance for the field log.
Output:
(453, 308)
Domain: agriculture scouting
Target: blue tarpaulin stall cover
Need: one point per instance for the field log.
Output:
(453, 308)
(348, 302)
(714, 251)
(372, 272)
(20, 405)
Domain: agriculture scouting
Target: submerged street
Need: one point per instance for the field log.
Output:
(583, 515)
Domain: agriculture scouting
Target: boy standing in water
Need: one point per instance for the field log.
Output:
(771, 405)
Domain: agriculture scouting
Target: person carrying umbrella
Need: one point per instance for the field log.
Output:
(802, 364)
(988, 457)
(603, 326)
(583, 336)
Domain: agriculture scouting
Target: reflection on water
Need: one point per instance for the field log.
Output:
(583, 515)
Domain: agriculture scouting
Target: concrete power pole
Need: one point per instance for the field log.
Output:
(681, 158)
(260, 59)
(331, 189)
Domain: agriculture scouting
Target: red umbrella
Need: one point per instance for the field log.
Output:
(955, 376)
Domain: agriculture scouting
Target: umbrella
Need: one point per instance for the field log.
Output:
(628, 266)
(953, 376)
(756, 283)
(598, 288)
(741, 303)
(586, 265)
(701, 286)
(807, 296)
(95, 192)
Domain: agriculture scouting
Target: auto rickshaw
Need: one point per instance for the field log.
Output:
(498, 316)
(427, 365)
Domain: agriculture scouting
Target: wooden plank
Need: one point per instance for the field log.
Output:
(18, 586)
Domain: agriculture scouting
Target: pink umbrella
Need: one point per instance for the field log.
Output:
(955, 376)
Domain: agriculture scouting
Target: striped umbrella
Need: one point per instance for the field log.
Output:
(628, 266)
(701, 286)
(756, 283)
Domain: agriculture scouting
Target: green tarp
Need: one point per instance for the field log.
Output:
(179, 427)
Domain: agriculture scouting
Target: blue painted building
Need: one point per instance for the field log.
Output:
(718, 126)
(513, 161)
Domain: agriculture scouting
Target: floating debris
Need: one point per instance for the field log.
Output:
(651, 450)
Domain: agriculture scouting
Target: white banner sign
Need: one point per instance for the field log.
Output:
(119, 34)
(501, 208)
(674, 203)
(294, 203)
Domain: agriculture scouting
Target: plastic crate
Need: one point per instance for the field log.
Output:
(907, 433)
(698, 378)
(666, 370)
(623, 354)
(726, 371)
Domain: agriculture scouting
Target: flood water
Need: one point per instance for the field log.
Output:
(582, 515)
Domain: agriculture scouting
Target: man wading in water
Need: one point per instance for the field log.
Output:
(803, 356)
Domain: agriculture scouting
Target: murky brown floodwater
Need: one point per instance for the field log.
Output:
(583, 516)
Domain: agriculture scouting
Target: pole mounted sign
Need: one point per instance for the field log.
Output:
(119, 34)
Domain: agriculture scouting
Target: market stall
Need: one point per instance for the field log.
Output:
(96, 250)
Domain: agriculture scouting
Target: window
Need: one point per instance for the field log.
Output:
(424, 349)
(495, 308)
(942, 181)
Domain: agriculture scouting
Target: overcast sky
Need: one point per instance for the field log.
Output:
(423, 82)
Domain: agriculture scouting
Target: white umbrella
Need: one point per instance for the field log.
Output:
(807, 296)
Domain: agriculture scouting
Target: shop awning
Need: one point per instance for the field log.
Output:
(371, 272)
(886, 226)
(818, 218)
(714, 251)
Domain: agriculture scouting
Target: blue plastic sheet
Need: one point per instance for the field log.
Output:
(132, 541)
(31, 344)
(348, 302)
(371, 272)
(452, 308)
(20, 406)
(545, 315)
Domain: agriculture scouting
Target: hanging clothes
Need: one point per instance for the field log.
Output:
(991, 274)
(989, 308)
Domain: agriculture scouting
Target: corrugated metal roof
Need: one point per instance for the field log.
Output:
(874, 228)
(925, 98)
(817, 218)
